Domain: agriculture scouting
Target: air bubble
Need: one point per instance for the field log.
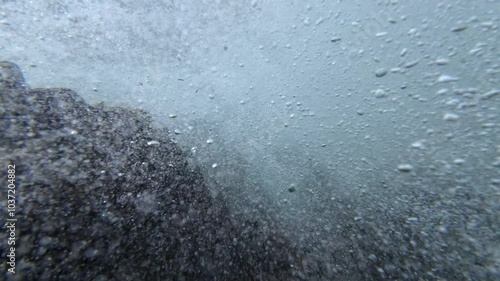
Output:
(405, 167)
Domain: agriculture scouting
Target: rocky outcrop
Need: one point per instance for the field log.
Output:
(103, 195)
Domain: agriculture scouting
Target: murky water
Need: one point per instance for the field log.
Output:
(365, 131)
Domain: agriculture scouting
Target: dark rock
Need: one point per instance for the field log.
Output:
(96, 202)
(103, 195)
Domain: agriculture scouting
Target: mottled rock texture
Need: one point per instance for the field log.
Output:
(102, 194)
(96, 202)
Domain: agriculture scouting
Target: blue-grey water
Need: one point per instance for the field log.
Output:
(323, 113)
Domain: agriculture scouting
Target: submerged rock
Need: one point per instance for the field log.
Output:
(97, 201)
(101, 194)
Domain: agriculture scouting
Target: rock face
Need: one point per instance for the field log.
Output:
(102, 195)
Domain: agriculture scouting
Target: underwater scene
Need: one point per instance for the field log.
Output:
(250, 140)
